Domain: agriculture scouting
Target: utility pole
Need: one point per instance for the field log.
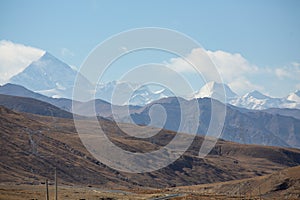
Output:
(55, 179)
(240, 190)
(259, 193)
(47, 190)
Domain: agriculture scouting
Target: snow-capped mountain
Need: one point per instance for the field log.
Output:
(145, 95)
(53, 78)
(215, 90)
(105, 91)
(49, 76)
(294, 96)
(138, 95)
(258, 101)
(252, 100)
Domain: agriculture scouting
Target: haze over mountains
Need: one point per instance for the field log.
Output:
(274, 127)
(51, 77)
(271, 126)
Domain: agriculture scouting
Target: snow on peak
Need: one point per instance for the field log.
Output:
(49, 76)
(256, 94)
(294, 96)
(114, 91)
(52, 77)
(217, 91)
(258, 101)
(252, 100)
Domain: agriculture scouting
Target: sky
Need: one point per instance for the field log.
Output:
(255, 44)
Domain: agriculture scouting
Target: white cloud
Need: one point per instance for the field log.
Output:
(233, 68)
(65, 52)
(296, 64)
(288, 72)
(242, 85)
(239, 73)
(199, 59)
(14, 58)
(282, 73)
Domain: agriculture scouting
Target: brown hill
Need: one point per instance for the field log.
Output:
(30, 105)
(284, 184)
(32, 146)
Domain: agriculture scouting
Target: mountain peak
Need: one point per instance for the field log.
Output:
(48, 72)
(141, 94)
(295, 96)
(297, 92)
(48, 76)
(12, 87)
(47, 55)
(216, 90)
(213, 84)
(256, 94)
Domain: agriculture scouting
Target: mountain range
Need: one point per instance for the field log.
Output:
(141, 96)
(252, 119)
(276, 127)
(51, 77)
(253, 100)
(246, 126)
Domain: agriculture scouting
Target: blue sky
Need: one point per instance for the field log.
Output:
(265, 33)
